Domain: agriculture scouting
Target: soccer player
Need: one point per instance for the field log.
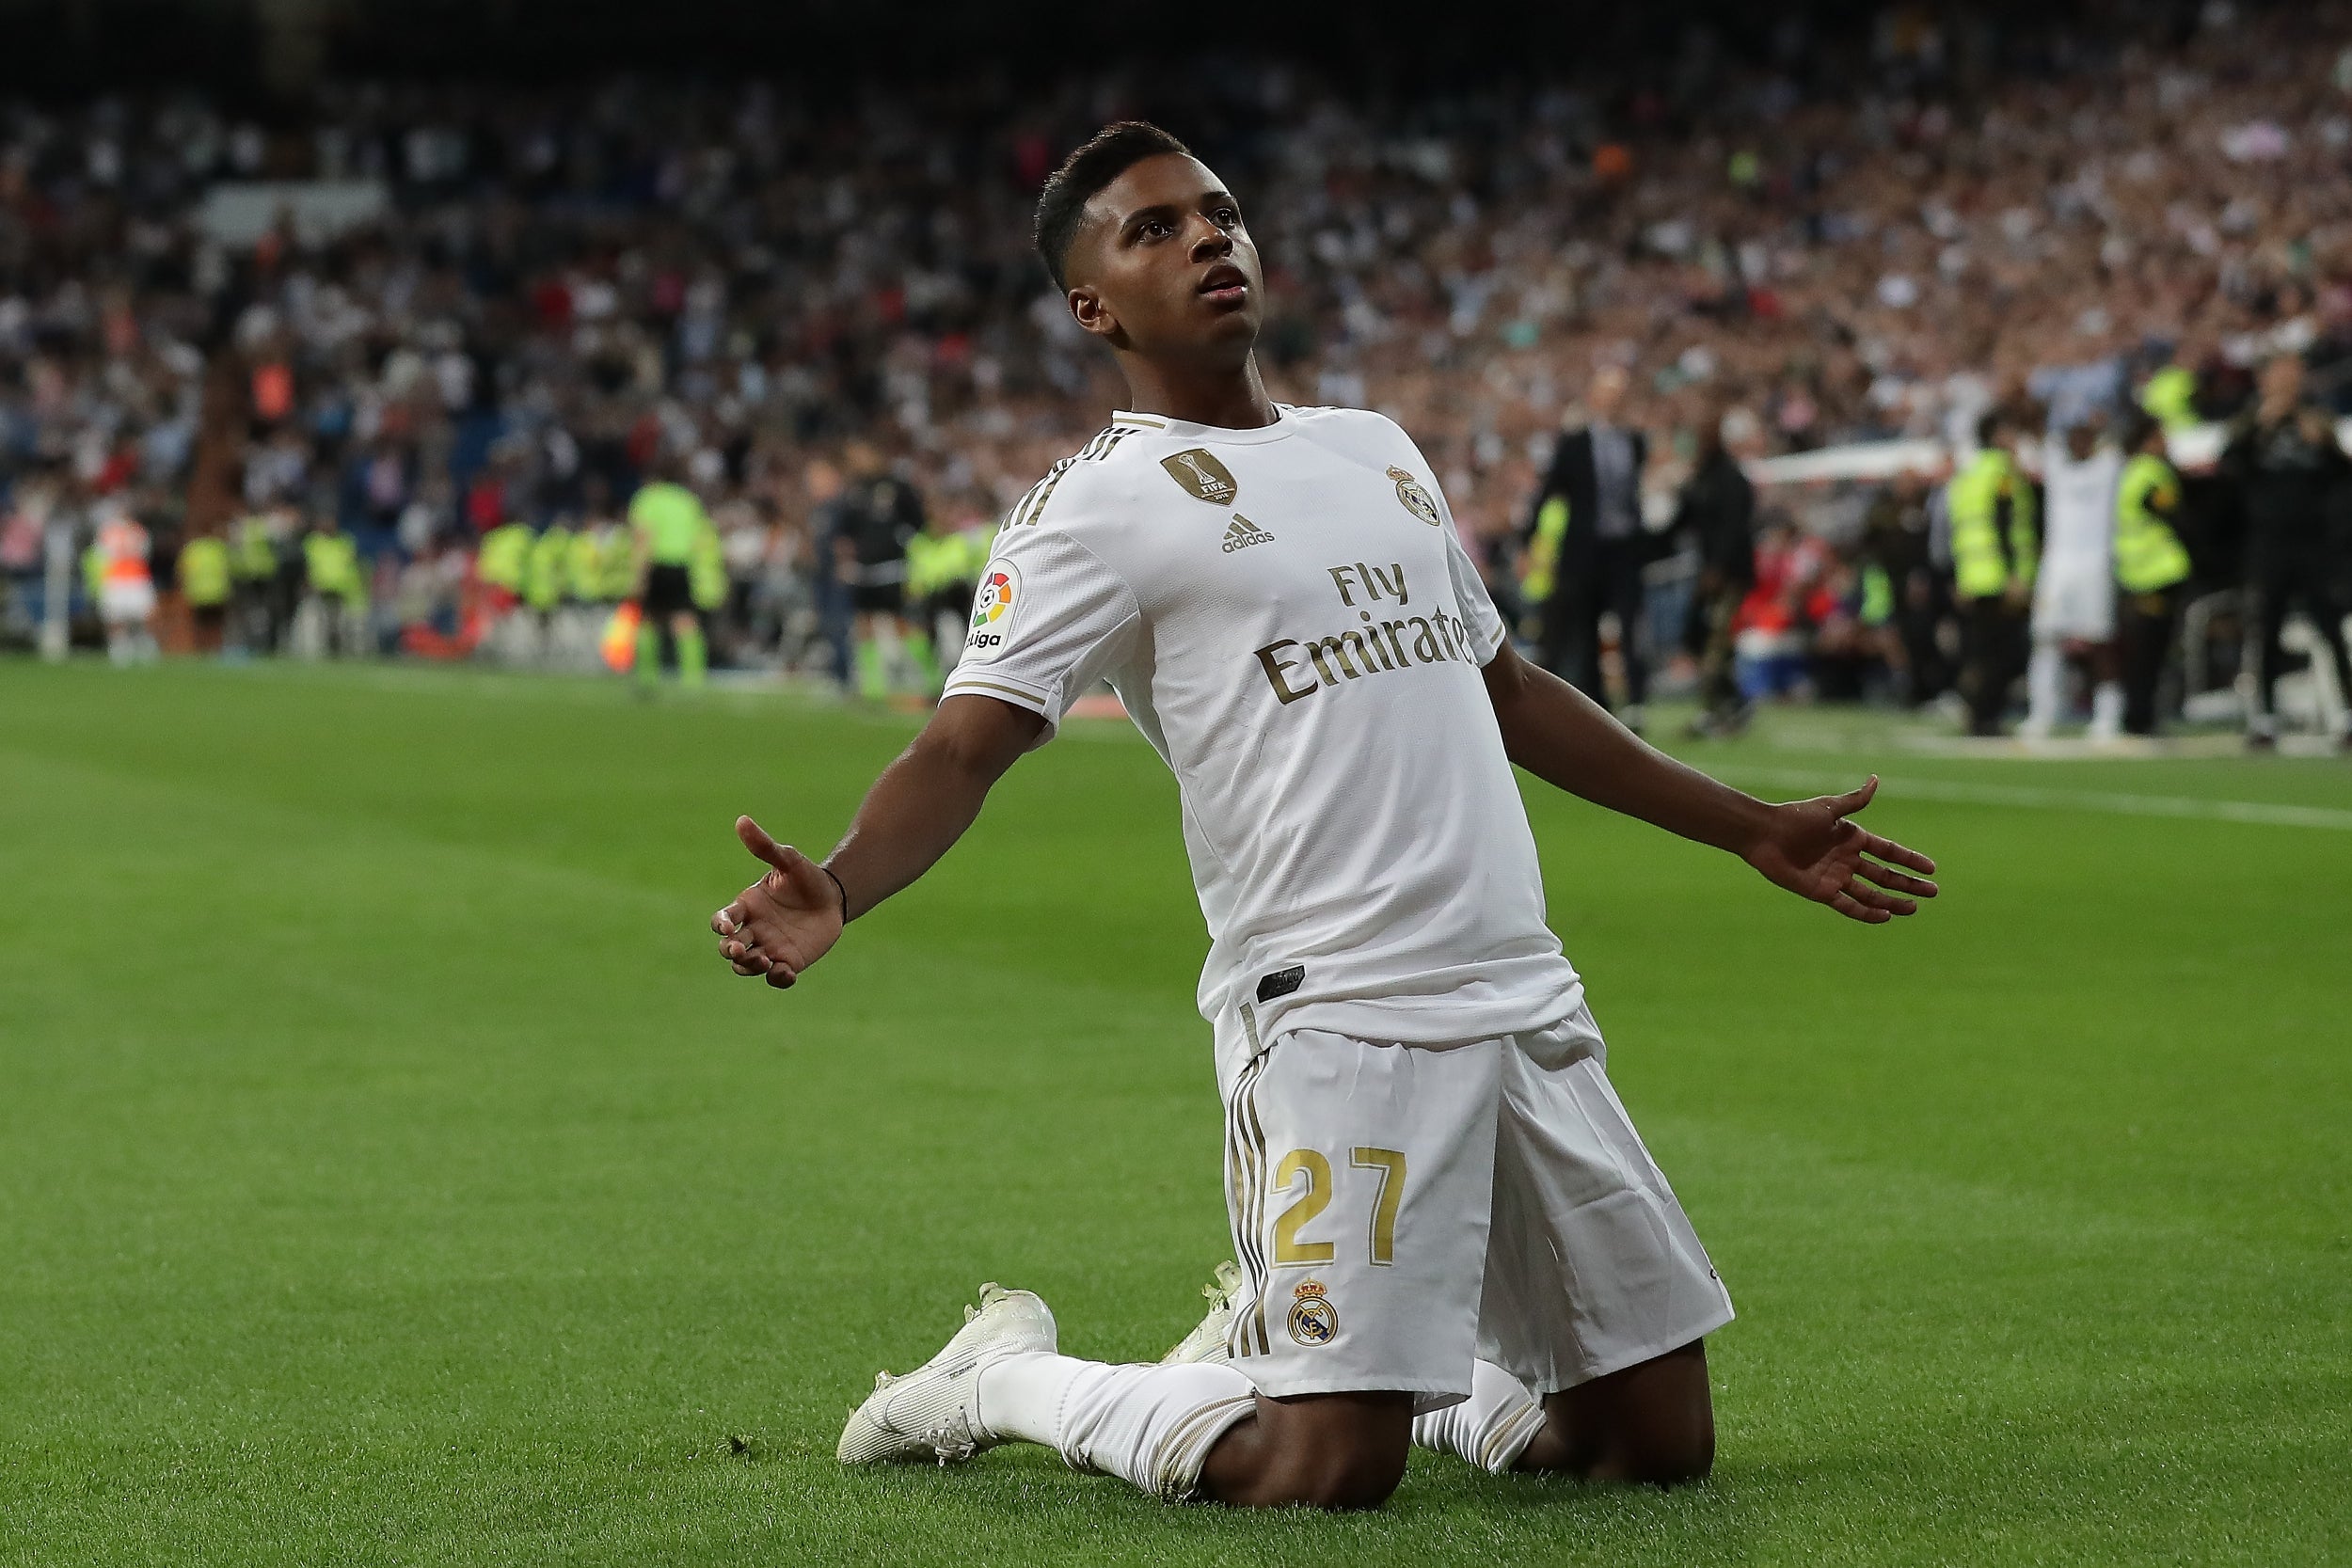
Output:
(1439, 1206)
(2074, 591)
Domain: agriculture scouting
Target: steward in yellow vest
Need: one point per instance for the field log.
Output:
(331, 564)
(205, 582)
(547, 569)
(2170, 397)
(2151, 570)
(1994, 549)
(264, 604)
(335, 581)
(506, 556)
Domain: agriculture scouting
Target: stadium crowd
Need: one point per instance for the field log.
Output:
(817, 312)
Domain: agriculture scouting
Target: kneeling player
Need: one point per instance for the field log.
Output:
(1446, 1224)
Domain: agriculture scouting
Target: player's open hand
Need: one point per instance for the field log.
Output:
(784, 921)
(1812, 849)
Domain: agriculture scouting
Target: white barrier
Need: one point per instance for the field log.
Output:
(2194, 449)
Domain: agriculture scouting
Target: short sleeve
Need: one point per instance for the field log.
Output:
(1048, 620)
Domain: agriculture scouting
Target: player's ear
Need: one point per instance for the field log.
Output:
(1092, 312)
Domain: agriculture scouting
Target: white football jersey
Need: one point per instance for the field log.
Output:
(2078, 505)
(1291, 622)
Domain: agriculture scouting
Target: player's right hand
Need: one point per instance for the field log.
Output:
(784, 921)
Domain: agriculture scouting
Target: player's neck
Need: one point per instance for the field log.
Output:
(1224, 396)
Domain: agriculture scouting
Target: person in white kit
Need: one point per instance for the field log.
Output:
(2073, 593)
(1440, 1208)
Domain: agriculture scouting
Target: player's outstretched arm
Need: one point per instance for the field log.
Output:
(1808, 847)
(922, 803)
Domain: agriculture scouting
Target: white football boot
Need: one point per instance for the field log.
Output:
(1209, 1339)
(932, 1412)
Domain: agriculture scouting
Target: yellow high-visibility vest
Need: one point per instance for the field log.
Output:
(2149, 556)
(1539, 573)
(331, 562)
(1981, 568)
(204, 571)
(506, 556)
(546, 568)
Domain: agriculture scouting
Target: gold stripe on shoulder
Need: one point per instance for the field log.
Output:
(1103, 445)
(1020, 509)
(1045, 490)
(991, 685)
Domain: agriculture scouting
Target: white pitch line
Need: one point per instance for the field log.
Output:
(2266, 813)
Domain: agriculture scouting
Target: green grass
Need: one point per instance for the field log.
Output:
(393, 1175)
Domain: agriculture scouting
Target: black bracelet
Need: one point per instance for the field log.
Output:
(839, 889)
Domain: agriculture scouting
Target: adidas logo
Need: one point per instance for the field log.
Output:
(1245, 533)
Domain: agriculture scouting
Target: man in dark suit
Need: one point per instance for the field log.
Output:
(1598, 549)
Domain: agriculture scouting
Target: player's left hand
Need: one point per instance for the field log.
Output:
(1809, 847)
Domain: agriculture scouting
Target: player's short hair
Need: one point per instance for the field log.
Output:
(1099, 160)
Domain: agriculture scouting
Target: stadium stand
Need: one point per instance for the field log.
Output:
(430, 309)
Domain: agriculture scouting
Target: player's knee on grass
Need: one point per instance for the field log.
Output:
(1652, 1424)
(1331, 1451)
(1671, 1450)
(1354, 1474)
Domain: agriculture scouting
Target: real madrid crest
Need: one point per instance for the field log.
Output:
(1416, 500)
(1313, 1319)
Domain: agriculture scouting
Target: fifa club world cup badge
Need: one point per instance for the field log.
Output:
(1313, 1319)
(1416, 500)
(1203, 476)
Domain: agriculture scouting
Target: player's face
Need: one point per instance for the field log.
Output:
(1164, 268)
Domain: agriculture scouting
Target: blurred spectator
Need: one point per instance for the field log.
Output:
(1897, 544)
(566, 284)
(1716, 509)
(1772, 635)
(943, 565)
(1588, 517)
(123, 584)
(2289, 469)
(878, 515)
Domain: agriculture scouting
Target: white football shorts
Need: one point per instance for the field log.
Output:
(122, 602)
(1399, 1212)
(2073, 602)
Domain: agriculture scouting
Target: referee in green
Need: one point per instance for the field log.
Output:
(665, 521)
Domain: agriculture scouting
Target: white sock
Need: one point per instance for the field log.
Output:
(1491, 1428)
(2045, 687)
(1150, 1425)
(2106, 710)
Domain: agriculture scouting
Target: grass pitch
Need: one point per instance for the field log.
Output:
(393, 1175)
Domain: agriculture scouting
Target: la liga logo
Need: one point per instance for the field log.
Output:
(1001, 589)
